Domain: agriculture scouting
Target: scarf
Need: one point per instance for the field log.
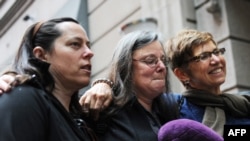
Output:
(216, 106)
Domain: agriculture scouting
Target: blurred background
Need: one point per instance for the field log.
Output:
(106, 21)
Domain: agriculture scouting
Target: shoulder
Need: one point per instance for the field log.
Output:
(26, 91)
(21, 97)
(176, 96)
(23, 113)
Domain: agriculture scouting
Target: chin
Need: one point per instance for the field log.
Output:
(218, 83)
(221, 81)
(160, 89)
(84, 82)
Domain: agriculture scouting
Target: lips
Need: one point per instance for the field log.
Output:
(159, 78)
(86, 67)
(216, 70)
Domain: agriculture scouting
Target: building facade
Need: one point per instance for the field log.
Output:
(104, 20)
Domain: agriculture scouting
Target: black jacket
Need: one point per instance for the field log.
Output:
(30, 114)
(131, 123)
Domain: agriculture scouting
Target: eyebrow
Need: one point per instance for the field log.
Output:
(89, 44)
(206, 51)
(153, 55)
(82, 40)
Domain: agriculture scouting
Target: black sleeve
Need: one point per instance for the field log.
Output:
(23, 115)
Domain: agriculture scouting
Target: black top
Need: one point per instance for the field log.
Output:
(131, 123)
(31, 114)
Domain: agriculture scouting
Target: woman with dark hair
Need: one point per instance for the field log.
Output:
(54, 61)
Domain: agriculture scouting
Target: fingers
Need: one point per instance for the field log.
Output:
(85, 102)
(107, 102)
(92, 102)
(95, 108)
(96, 99)
(98, 104)
(17, 80)
(5, 82)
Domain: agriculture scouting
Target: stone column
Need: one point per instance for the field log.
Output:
(228, 21)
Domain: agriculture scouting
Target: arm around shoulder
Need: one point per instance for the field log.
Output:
(22, 114)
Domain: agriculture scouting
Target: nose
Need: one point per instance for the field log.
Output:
(215, 58)
(88, 52)
(161, 66)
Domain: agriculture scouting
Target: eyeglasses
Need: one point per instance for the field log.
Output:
(206, 55)
(153, 61)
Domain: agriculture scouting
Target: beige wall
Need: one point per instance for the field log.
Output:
(107, 16)
(39, 10)
(231, 30)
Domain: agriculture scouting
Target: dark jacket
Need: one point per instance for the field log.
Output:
(132, 123)
(31, 114)
(195, 112)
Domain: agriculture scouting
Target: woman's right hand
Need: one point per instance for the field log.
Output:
(6, 82)
(96, 99)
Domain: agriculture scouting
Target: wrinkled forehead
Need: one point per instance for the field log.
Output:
(154, 48)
